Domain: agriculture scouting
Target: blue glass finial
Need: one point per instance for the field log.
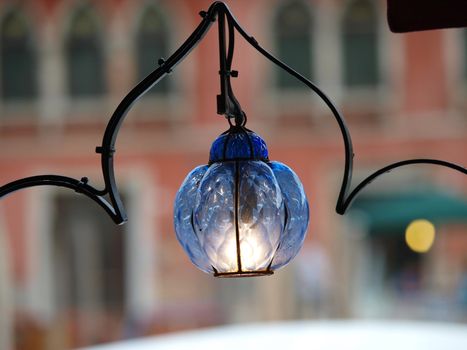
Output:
(238, 144)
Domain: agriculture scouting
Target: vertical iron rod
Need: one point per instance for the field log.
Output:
(222, 99)
(237, 207)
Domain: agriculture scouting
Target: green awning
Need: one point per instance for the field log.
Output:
(391, 213)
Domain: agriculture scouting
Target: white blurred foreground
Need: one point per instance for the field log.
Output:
(335, 335)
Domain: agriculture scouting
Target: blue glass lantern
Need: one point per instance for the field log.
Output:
(241, 215)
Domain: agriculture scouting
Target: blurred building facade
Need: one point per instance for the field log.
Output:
(69, 277)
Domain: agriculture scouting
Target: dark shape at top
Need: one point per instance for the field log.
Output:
(415, 15)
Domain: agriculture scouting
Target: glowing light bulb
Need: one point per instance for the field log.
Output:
(256, 251)
(420, 235)
(225, 258)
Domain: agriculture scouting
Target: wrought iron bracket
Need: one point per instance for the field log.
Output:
(109, 198)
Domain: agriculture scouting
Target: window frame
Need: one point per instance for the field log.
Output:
(159, 11)
(367, 98)
(344, 34)
(298, 87)
(177, 103)
(22, 110)
(277, 102)
(90, 104)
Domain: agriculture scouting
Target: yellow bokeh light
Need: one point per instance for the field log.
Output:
(420, 235)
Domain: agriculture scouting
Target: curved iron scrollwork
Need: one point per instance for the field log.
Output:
(109, 198)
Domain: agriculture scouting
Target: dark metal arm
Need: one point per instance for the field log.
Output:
(79, 186)
(345, 198)
(342, 207)
(111, 132)
(227, 105)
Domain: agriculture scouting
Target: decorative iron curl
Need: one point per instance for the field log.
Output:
(345, 196)
(227, 105)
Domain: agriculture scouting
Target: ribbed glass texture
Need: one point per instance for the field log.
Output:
(214, 214)
(232, 146)
(183, 210)
(261, 215)
(296, 203)
(241, 216)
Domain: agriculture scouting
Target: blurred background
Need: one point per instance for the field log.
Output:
(69, 277)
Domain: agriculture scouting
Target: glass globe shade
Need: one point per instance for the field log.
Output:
(241, 215)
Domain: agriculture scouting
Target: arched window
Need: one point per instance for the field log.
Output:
(18, 58)
(293, 31)
(360, 44)
(84, 55)
(152, 44)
